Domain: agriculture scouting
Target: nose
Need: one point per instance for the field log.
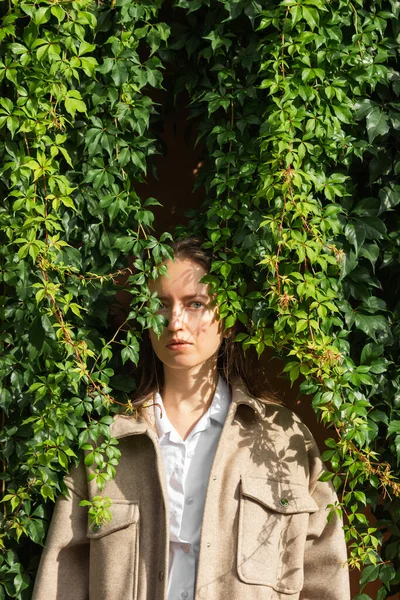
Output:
(176, 319)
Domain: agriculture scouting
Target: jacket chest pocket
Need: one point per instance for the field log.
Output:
(273, 523)
(114, 553)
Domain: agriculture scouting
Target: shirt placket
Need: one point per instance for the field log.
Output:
(183, 557)
(177, 484)
(186, 496)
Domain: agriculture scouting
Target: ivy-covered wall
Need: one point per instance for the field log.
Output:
(296, 109)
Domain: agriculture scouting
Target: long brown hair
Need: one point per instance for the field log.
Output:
(232, 364)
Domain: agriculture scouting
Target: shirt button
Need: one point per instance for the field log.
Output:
(189, 500)
(184, 595)
(161, 575)
(190, 454)
(186, 548)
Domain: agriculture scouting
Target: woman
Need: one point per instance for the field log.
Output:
(217, 494)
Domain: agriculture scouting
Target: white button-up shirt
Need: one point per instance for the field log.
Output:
(187, 466)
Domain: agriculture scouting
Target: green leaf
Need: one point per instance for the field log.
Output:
(107, 420)
(371, 324)
(342, 112)
(361, 497)
(386, 575)
(47, 492)
(41, 15)
(21, 582)
(89, 459)
(85, 47)
(355, 235)
(18, 48)
(369, 573)
(363, 108)
(373, 227)
(326, 476)
(230, 321)
(389, 196)
(311, 16)
(130, 353)
(74, 103)
(377, 124)
(394, 427)
(62, 459)
(58, 12)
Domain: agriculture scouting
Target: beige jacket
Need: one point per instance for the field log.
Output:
(265, 534)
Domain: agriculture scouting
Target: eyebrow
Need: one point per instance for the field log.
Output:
(188, 297)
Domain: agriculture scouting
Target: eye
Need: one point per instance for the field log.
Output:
(162, 306)
(196, 304)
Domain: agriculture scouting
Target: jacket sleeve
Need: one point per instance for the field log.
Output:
(64, 566)
(325, 570)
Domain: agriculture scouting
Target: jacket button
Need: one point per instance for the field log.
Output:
(96, 527)
(161, 575)
(284, 502)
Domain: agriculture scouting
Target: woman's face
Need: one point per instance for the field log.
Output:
(193, 334)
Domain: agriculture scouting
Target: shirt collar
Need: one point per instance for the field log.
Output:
(217, 410)
(162, 422)
(125, 425)
(220, 403)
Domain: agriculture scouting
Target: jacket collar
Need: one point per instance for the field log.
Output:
(125, 425)
(241, 396)
(217, 411)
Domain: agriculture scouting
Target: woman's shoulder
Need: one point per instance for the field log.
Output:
(274, 415)
(137, 419)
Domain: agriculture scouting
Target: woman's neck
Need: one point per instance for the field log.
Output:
(187, 395)
(190, 391)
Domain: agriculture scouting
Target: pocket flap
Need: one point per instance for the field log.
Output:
(123, 515)
(283, 497)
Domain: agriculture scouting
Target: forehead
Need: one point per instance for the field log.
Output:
(183, 278)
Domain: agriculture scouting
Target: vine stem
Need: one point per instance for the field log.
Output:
(142, 229)
(45, 211)
(353, 8)
(283, 44)
(232, 120)
(3, 415)
(382, 471)
(309, 323)
(45, 266)
(58, 314)
(278, 251)
(112, 340)
(27, 145)
(68, 339)
(344, 485)
(3, 483)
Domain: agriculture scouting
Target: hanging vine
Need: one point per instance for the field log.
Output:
(297, 111)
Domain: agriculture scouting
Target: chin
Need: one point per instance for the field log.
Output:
(181, 364)
(182, 361)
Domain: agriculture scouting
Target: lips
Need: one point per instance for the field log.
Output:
(177, 343)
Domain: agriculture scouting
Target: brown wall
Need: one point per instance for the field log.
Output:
(173, 188)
